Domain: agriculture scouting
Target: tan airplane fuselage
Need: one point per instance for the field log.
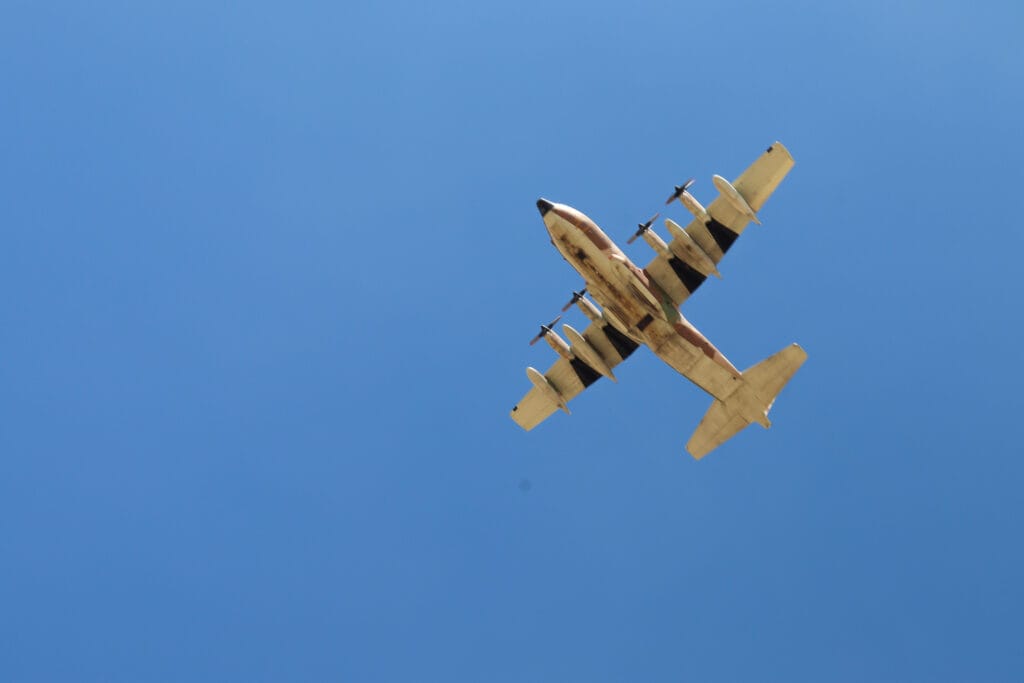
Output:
(635, 302)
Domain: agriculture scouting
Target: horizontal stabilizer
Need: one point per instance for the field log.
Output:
(750, 403)
(769, 376)
(718, 426)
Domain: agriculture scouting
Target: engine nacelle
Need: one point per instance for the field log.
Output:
(689, 251)
(558, 344)
(733, 196)
(605, 317)
(655, 242)
(695, 207)
(545, 388)
(589, 309)
(587, 353)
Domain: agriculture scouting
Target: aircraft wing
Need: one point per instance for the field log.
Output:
(678, 278)
(570, 377)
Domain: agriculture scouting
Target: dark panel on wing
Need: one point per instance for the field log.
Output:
(587, 374)
(723, 236)
(623, 344)
(690, 277)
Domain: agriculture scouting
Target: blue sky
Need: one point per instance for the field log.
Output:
(269, 276)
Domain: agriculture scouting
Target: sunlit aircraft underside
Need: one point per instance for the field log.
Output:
(641, 306)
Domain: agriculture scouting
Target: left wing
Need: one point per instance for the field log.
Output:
(570, 376)
(712, 239)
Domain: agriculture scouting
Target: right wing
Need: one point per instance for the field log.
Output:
(756, 184)
(570, 377)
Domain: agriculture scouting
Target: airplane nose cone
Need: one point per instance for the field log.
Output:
(544, 206)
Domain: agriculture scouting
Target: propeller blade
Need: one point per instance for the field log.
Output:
(576, 296)
(544, 329)
(679, 190)
(647, 226)
(641, 228)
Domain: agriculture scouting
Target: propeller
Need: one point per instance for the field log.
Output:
(680, 189)
(576, 296)
(641, 228)
(544, 329)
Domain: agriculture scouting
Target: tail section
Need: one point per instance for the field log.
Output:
(749, 403)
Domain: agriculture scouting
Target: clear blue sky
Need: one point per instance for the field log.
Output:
(268, 276)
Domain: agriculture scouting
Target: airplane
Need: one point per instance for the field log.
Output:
(641, 306)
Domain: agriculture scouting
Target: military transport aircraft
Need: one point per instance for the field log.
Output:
(641, 306)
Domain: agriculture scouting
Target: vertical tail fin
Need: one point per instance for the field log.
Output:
(749, 403)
